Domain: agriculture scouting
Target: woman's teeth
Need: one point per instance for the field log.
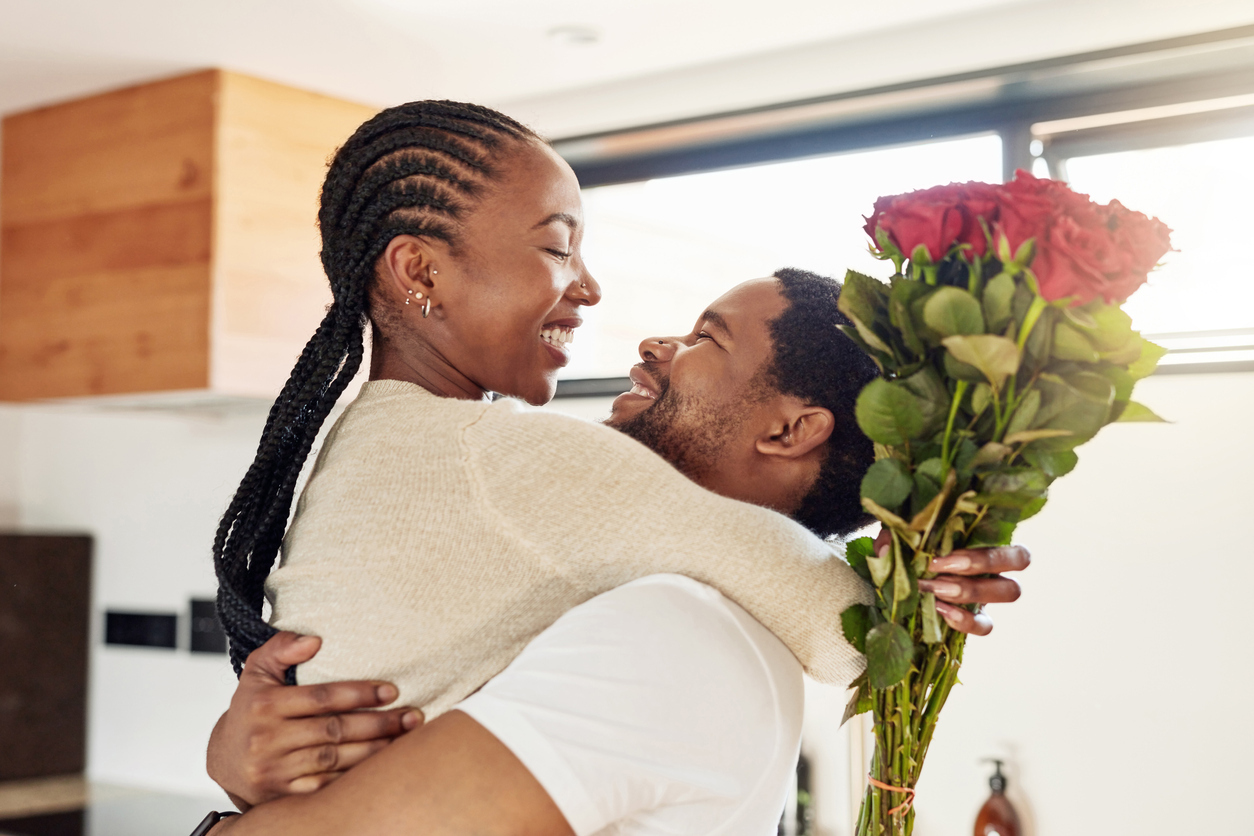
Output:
(558, 336)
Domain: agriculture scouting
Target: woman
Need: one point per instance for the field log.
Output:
(439, 532)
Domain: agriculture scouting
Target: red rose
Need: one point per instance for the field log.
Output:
(1144, 241)
(936, 218)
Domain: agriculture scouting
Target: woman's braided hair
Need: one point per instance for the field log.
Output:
(416, 170)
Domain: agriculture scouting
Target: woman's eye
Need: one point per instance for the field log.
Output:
(560, 255)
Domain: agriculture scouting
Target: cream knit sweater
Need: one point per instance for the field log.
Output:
(436, 537)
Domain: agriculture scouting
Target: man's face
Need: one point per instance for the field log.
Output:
(694, 397)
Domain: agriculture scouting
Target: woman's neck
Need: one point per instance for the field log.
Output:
(421, 365)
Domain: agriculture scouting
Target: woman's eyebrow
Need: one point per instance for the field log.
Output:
(560, 217)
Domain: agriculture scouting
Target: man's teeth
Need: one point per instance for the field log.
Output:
(558, 336)
(637, 389)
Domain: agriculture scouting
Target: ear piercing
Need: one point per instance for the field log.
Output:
(426, 307)
(417, 295)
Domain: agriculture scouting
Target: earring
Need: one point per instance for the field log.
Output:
(435, 272)
(426, 307)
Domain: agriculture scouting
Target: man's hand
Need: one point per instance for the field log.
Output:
(969, 576)
(276, 740)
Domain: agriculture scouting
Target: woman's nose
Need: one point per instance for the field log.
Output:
(657, 350)
(586, 290)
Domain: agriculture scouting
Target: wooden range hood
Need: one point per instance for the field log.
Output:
(163, 238)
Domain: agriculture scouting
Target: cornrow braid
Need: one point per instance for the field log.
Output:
(415, 170)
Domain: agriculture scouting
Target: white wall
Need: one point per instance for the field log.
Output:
(1000, 36)
(149, 486)
(1118, 686)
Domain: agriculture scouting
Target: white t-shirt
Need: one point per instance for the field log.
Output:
(659, 707)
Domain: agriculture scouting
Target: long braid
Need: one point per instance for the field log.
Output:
(415, 170)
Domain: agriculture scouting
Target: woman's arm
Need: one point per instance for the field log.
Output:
(450, 778)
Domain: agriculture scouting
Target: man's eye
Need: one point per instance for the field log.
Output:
(703, 336)
(560, 255)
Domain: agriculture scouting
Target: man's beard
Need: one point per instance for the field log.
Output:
(689, 432)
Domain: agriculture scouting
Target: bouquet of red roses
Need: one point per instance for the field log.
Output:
(1002, 347)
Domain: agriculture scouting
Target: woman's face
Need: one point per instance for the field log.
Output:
(508, 296)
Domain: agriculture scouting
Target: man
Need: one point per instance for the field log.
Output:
(658, 706)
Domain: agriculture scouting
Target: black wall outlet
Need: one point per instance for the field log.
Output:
(207, 635)
(141, 628)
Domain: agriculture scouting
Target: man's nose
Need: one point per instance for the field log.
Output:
(657, 350)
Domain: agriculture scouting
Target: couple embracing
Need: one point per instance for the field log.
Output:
(604, 627)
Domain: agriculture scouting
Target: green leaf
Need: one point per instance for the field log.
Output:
(880, 568)
(1053, 463)
(933, 469)
(905, 588)
(1028, 436)
(1144, 366)
(1025, 413)
(888, 413)
(862, 297)
(981, 397)
(887, 482)
(855, 622)
(1112, 328)
(889, 652)
(961, 371)
(962, 461)
(1079, 402)
(856, 553)
(996, 357)
(1032, 508)
(931, 620)
(952, 312)
(904, 292)
(870, 337)
(1139, 412)
(931, 396)
(997, 296)
(924, 491)
(1014, 480)
(1070, 344)
(860, 702)
(991, 453)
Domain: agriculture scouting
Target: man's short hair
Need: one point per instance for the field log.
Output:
(815, 362)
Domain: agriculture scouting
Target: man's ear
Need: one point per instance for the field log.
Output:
(797, 432)
(406, 265)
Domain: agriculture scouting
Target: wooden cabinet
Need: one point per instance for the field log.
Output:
(163, 237)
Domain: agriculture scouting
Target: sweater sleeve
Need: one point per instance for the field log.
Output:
(602, 508)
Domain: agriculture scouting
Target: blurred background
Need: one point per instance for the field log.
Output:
(159, 274)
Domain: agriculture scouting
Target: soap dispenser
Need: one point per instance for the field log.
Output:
(997, 817)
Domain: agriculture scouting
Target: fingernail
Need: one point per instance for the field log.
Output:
(386, 692)
(944, 589)
(951, 563)
(410, 720)
(946, 611)
(306, 641)
(306, 784)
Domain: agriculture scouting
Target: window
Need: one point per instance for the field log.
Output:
(663, 249)
(1200, 303)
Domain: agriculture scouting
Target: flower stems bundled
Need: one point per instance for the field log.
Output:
(1002, 347)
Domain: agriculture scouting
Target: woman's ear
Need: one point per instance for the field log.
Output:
(407, 264)
(798, 432)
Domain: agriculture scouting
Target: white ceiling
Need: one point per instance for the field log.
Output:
(387, 51)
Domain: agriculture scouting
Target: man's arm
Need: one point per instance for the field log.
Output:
(449, 778)
(276, 740)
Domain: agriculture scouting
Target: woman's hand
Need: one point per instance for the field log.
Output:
(969, 576)
(277, 740)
